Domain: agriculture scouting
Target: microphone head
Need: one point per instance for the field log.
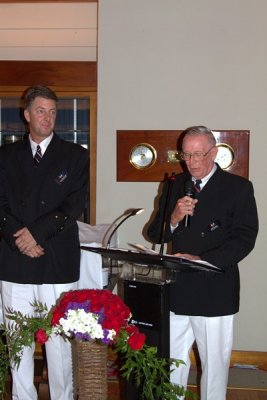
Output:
(189, 188)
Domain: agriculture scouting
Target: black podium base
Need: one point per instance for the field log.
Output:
(149, 305)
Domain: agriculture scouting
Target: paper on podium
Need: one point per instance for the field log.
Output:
(143, 249)
(147, 250)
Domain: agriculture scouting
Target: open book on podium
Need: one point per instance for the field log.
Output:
(144, 256)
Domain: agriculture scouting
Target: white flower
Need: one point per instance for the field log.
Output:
(111, 334)
(80, 321)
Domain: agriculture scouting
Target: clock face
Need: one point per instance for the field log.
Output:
(225, 155)
(142, 156)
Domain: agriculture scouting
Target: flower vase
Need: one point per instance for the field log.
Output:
(89, 370)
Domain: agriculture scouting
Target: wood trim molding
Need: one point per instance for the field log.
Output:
(51, 73)
(257, 358)
(253, 358)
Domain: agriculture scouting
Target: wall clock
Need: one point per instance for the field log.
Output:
(225, 156)
(143, 155)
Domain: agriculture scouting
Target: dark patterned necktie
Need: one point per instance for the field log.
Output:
(38, 156)
(197, 187)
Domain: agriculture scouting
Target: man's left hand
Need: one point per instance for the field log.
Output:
(24, 240)
(187, 256)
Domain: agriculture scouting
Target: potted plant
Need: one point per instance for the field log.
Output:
(92, 318)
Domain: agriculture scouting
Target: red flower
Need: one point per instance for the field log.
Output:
(137, 339)
(131, 329)
(116, 313)
(56, 316)
(41, 336)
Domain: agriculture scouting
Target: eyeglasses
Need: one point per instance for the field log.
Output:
(197, 156)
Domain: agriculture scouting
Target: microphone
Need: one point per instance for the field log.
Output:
(127, 214)
(189, 190)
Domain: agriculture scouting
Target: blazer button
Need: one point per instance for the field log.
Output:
(43, 202)
(3, 222)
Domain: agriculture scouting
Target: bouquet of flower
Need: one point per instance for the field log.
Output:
(99, 316)
(90, 314)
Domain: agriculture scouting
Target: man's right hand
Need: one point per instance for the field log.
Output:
(184, 206)
(34, 252)
(26, 243)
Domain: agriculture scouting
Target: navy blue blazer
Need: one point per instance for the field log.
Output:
(222, 231)
(47, 200)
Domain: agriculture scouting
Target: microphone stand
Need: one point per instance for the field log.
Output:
(163, 228)
(129, 213)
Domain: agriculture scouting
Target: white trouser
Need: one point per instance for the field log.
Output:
(58, 352)
(214, 338)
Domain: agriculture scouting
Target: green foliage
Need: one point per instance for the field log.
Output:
(21, 329)
(4, 364)
(150, 373)
(20, 332)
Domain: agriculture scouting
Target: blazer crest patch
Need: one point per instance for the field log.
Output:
(61, 177)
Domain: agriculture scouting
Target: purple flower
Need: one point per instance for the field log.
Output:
(76, 306)
(82, 336)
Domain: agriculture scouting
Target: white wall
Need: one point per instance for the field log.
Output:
(47, 31)
(174, 63)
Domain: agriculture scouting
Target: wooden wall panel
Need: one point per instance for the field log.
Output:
(50, 73)
(165, 141)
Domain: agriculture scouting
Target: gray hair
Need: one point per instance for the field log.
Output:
(38, 91)
(200, 130)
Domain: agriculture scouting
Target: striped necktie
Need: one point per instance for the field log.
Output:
(197, 187)
(38, 156)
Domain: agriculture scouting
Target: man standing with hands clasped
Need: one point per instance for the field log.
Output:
(222, 230)
(43, 184)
